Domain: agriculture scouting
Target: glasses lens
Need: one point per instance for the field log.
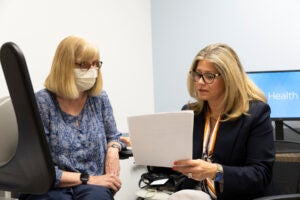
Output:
(208, 77)
(84, 66)
(195, 76)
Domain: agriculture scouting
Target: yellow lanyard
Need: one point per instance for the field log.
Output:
(209, 140)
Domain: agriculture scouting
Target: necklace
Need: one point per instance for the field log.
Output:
(209, 140)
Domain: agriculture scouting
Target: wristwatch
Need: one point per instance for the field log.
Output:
(220, 173)
(84, 177)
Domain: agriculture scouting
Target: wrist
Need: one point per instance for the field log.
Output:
(219, 173)
(116, 146)
(92, 180)
(214, 171)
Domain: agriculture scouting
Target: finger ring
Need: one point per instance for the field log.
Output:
(190, 175)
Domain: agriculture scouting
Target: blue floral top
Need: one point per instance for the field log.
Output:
(78, 143)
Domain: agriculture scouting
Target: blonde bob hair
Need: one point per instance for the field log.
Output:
(61, 80)
(239, 89)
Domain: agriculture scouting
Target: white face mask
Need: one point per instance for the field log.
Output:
(85, 80)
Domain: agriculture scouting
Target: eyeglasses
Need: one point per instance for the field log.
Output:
(85, 66)
(207, 77)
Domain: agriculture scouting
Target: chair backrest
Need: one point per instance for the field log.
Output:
(27, 167)
(286, 171)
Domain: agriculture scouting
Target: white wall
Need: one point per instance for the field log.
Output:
(265, 34)
(122, 31)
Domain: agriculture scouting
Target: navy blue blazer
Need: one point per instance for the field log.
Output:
(245, 148)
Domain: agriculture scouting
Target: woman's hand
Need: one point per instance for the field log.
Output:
(108, 180)
(112, 163)
(196, 169)
(126, 140)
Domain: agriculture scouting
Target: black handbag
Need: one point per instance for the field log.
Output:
(174, 179)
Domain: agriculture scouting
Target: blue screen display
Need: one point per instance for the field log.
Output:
(282, 89)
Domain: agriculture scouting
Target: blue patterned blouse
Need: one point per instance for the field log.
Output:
(78, 143)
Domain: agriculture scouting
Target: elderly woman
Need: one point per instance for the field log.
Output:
(79, 125)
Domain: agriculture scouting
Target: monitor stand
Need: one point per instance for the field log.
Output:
(279, 134)
(279, 130)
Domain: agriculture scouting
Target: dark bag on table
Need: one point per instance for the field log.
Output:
(174, 179)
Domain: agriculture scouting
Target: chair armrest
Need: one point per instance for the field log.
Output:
(125, 153)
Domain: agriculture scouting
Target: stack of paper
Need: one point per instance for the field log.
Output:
(162, 138)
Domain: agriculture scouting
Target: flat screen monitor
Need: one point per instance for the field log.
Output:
(282, 89)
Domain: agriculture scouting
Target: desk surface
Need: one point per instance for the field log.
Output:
(288, 157)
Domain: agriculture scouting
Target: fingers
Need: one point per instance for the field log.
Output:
(114, 183)
(184, 166)
(187, 163)
(108, 180)
(126, 140)
(195, 169)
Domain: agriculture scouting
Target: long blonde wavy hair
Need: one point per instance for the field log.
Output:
(239, 88)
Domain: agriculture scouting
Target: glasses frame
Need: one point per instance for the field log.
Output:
(202, 75)
(85, 66)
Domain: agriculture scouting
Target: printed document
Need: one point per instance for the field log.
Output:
(162, 138)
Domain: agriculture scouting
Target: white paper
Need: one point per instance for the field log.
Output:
(162, 138)
(159, 182)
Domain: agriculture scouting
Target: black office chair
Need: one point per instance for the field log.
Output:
(25, 165)
(286, 171)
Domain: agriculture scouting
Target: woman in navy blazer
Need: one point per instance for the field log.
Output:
(233, 149)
